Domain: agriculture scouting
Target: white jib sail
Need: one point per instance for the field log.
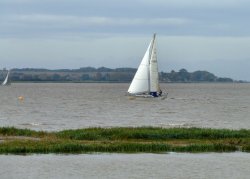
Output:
(6, 81)
(140, 82)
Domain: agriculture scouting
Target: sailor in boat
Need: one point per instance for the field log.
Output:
(156, 94)
(160, 93)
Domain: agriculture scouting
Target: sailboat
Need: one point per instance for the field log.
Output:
(146, 80)
(6, 80)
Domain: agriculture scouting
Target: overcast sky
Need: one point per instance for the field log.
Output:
(212, 35)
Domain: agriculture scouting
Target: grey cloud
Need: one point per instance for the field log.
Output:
(193, 34)
(103, 21)
(56, 24)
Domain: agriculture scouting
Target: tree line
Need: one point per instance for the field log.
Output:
(103, 74)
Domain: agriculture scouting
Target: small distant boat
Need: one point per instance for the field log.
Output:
(6, 80)
(146, 80)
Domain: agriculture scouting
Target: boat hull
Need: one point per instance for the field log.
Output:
(134, 96)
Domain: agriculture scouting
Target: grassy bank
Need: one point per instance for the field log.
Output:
(123, 140)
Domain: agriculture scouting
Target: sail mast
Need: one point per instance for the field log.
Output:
(150, 60)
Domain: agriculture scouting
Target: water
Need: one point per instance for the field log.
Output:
(58, 106)
(65, 106)
(113, 166)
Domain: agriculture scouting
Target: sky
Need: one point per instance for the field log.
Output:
(211, 35)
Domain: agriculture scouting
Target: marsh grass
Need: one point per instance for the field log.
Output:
(18, 147)
(150, 133)
(246, 148)
(124, 140)
(12, 131)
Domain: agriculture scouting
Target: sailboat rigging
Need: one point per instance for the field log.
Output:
(146, 80)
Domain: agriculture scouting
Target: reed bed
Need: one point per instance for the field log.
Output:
(123, 140)
(12, 131)
(151, 133)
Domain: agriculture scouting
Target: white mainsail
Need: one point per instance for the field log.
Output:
(6, 80)
(154, 75)
(146, 79)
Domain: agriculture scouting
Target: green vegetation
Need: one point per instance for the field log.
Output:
(103, 74)
(151, 133)
(123, 140)
(198, 76)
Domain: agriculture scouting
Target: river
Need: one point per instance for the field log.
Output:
(59, 106)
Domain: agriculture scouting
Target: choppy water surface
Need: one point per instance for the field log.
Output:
(113, 166)
(48, 106)
(65, 106)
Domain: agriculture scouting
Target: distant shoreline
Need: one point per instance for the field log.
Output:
(107, 75)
